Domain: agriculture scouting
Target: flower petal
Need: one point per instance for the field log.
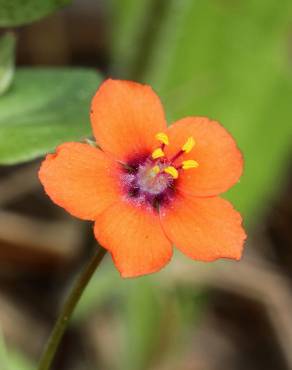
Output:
(205, 229)
(134, 237)
(81, 179)
(125, 117)
(220, 161)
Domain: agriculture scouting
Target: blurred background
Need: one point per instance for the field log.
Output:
(228, 59)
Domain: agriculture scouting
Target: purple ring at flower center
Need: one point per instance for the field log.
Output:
(143, 186)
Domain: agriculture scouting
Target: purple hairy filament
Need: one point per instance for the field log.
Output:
(150, 179)
(145, 182)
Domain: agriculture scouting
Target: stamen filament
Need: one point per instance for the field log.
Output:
(178, 154)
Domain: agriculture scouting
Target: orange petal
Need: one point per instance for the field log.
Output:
(205, 229)
(125, 117)
(81, 179)
(134, 237)
(220, 161)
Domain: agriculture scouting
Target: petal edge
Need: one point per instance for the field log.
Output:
(220, 161)
(125, 118)
(80, 179)
(205, 229)
(135, 239)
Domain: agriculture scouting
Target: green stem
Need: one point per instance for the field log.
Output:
(67, 310)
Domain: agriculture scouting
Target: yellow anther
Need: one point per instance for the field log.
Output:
(155, 169)
(172, 171)
(157, 153)
(161, 136)
(189, 144)
(190, 163)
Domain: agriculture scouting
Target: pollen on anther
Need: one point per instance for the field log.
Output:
(190, 163)
(189, 144)
(172, 171)
(162, 137)
(157, 153)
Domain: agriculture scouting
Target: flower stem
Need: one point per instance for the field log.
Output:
(68, 308)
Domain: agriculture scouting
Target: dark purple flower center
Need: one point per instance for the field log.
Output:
(145, 183)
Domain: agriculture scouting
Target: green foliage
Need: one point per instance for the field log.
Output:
(229, 61)
(129, 20)
(44, 107)
(141, 317)
(104, 285)
(19, 12)
(7, 49)
(153, 319)
(12, 359)
(138, 310)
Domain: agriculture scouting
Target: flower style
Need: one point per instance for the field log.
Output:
(148, 186)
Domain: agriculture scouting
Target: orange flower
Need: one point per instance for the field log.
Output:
(147, 186)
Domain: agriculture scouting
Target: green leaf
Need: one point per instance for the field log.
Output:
(230, 62)
(44, 108)
(7, 52)
(19, 12)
